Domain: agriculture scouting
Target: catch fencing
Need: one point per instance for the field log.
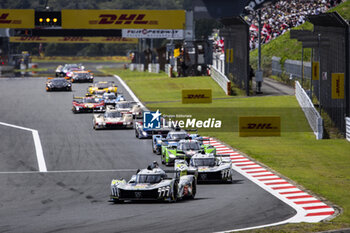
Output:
(312, 115)
(291, 67)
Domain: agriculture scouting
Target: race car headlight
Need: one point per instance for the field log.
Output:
(225, 173)
(144, 133)
(164, 191)
(101, 123)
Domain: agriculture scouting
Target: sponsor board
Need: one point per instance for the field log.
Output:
(68, 39)
(255, 126)
(15, 18)
(195, 96)
(315, 70)
(153, 33)
(123, 19)
(337, 85)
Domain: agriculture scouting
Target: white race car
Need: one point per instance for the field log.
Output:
(113, 119)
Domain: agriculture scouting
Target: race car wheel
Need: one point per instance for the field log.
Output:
(174, 192)
(118, 201)
(194, 189)
(136, 134)
(163, 162)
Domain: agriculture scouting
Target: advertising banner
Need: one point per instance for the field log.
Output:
(153, 33)
(103, 40)
(254, 126)
(123, 19)
(195, 96)
(14, 18)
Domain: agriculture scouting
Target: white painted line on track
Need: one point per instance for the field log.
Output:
(37, 145)
(127, 88)
(71, 171)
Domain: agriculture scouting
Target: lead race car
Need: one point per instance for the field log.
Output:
(153, 183)
(112, 119)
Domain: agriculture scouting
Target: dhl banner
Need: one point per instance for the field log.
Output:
(195, 96)
(104, 40)
(338, 82)
(123, 19)
(15, 18)
(255, 126)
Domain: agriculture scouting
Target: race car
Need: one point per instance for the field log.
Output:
(141, 132)
(110, 98)
(87, 104)
(62, 70)
(58, 84)
(80, 76)
(112, 119)
(154, 184)
(212, 168)
(131, 107)
(184, 149)
(172, 138)
(102, 87)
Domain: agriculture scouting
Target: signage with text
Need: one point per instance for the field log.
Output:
(123, 19)
(337, 85)
(259, 126)
(72, 40)
(194, 96)
(15, 18)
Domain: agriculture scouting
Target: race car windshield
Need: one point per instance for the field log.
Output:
(109, 96)
(102, 85)
(58, 81)
(198, 162)
(190, 146)
(148, 179)
(90, 100)
(124, 105)
(178, 135)
(82, 75)
(113, 114)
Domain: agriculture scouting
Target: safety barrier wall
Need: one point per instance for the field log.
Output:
(221, 79)
(153, 68)
(138, 67)
(347, 122)
(290, 67)
(312, 115)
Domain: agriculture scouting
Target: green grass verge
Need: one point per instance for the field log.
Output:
(320, 166)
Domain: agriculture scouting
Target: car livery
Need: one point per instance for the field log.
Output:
(184, 149)
(154, 184)
(172, 138)
(130, 107)
(58, 84)
(141, 132)
(87, 104)
(61, 71)
(110, 98)
(212, 168)
(102, 87)
(80, 76)
(112, 119)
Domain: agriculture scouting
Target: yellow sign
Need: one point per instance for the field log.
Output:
(104, 40)
(315, 70)
(338, 86)
(176, 52)
(229, 55)
(123, 19)
(195, 96)
(16, 18)
(259, 126)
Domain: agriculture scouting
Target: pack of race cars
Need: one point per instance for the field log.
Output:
(192, 160)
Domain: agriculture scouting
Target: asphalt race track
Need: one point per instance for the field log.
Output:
(73, 195)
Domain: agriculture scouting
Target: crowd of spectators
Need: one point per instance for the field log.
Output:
(279, 17)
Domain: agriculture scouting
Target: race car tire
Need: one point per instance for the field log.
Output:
(136, 134)
(162, 159)
(118, 201)
(194, 189)
(154, 151)
(174, 194)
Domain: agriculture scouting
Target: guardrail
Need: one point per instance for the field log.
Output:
(347, 126)
(312, 115)
(221, 79)
(290, 67)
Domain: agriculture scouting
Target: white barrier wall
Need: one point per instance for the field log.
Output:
(312, 115)
(347, 120)
(153, 68)
(221, 79)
